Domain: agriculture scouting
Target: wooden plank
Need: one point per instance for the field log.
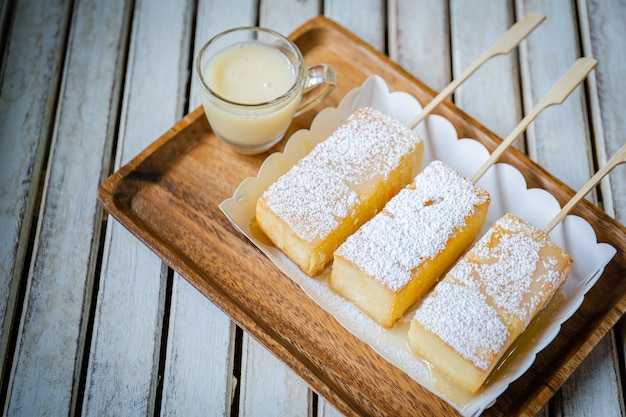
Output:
(125, 350)
(325, 409)
(268, 387)
(491, 94)
(5, 14)
(50, 344)
(607, 94)
(592, 389)
(127, 329)
(200, 336)
(559, 140)
(257, 365)
(419, 39)
(604, 40)
(366, 19)
(284, 17)
(603, 27)
(198, 375)
(28, 94)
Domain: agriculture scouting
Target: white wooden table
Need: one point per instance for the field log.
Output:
(93, 323)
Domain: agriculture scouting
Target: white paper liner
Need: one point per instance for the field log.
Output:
(509, 194)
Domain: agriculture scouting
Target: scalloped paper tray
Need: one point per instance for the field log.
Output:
(509, 194)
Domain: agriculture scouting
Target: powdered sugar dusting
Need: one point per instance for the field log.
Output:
(505, 275)
(323, 187)
(311, 204)
(507, 260)
(468, 323)
(414, 226)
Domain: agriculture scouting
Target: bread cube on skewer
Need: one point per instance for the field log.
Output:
(394, 259)
(344, 181)
(471, 319)
(467, 323)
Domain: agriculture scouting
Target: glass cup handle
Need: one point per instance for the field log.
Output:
(322, 80)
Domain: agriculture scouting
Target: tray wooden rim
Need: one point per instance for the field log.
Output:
(114, 202)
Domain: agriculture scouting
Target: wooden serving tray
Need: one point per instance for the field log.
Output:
(168, 196)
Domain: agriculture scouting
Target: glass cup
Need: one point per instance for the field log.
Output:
(253, 82)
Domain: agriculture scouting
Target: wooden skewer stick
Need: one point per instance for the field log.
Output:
(505, 44)
(618, 158)
(561, 90)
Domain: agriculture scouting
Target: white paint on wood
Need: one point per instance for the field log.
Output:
(268, 387)
(325, 409)
(365, 18)
(559, 137)
(419, 39)
(591, 390)
(198, 379)
(122, 375)
(603, 33)
(605, 40)
(31, 65)
(53, 324)
(285, 16)
(491, 94)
